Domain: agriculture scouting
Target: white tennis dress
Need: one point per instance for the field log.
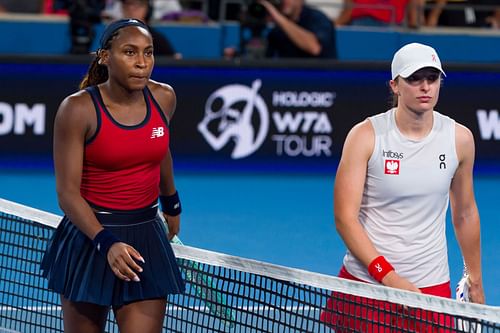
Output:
(405, 200)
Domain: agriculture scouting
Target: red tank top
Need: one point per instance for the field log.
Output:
(121, 167)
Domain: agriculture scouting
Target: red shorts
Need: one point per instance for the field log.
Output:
(349, 313)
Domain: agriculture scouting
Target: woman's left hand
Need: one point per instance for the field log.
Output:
(174, 225)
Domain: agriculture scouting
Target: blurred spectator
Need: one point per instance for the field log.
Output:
(331, 8)
(83, 16)
(231, 11)
(143, 10)
(164, 10)
(429, 12)
(378, 13)
(300, 31)
(21, 6)
(460, 13)
(494, 18)
(160, 8)
(50, 7)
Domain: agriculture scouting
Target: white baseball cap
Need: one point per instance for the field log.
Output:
(412, 57)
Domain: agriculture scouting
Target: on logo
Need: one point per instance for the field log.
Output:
(442, 161)
(229, 112)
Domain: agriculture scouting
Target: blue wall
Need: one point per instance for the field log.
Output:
(380, 44)
(207, 41)
(53, 38)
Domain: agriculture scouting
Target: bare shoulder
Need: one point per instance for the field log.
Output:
(464, 140)
(363, 128)
(360, 139)
(463, 134)
(362, 133)
(75, 108)
(160, 87)
(164, 94)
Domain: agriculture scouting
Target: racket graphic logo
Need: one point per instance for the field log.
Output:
(236, 113)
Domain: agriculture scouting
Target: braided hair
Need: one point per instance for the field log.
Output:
(98, 73)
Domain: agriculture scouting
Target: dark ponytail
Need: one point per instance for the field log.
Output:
(96, 74)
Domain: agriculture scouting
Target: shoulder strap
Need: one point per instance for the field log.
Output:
(153, 103)
(92, 90)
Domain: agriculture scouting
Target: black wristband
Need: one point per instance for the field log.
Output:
(104, 240)
(171, 204)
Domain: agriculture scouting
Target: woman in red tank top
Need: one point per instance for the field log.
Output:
(112, 162)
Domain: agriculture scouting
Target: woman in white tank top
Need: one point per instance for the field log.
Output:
(398, 173)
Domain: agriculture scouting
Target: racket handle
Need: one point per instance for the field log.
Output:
(176, 240)
(462, 290)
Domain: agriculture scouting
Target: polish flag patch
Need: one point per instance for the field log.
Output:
(391, 167)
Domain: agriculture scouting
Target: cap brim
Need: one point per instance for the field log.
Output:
(412, 69)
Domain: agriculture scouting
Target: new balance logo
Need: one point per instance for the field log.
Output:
(157, 132)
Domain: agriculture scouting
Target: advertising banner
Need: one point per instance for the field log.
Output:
(250, 117)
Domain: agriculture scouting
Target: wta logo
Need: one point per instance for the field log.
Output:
(231, 113)
(489, 124)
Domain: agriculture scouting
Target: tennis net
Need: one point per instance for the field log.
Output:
(229, 294)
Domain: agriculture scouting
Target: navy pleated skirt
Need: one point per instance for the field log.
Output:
(75, 269)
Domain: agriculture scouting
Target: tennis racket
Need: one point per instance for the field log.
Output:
(205, 287)
(462, 295)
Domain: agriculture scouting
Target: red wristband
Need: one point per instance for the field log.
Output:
(379, 268)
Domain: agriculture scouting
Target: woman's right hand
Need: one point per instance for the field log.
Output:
(122, 260)
(392, 279)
